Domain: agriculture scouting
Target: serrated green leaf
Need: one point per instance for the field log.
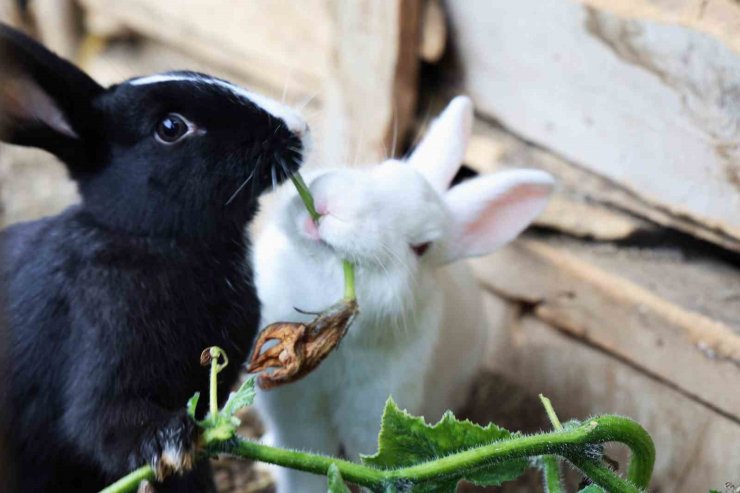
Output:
(193, 404)
(336, 483)
(406, 440)
(240, 399)
(592, 488)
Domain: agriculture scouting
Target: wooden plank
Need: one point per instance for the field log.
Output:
(585, 203)
(55, 22)
(372, 87)
(646, 105)
(280, 42)
(719, 18)
(696, 447)
(9, 12)
(575, 209)
(32, 184)
(672, 319)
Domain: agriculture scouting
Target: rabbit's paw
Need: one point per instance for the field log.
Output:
(171, 448)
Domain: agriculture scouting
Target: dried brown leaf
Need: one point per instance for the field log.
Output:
(300, 348)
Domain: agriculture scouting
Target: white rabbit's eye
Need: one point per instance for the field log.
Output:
(172, 128)
(421, 248)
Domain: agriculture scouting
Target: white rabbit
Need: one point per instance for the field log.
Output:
(421, 332)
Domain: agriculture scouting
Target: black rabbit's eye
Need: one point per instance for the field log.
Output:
(172, 128)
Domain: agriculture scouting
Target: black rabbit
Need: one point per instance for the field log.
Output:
(110, 303)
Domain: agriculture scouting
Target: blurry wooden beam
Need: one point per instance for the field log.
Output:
(56, 25)
(696, 447)
(281, 43)
(372, 88)
(719, 18)
(9, 12)
(673, 318)
(586, 204)
(656, 118)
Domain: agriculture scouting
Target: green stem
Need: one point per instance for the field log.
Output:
(551, 473)
(550, 463)
(307, 198)
(547, 403)
(568, 444)
(131, 481)
(349, 281)
(305, 195)
(213, 398)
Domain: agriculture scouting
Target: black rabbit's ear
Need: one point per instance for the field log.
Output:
(45, 101)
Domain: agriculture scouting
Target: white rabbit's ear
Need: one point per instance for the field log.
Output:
(492, 210)
(441, 151)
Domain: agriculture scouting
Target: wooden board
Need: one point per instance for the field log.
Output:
(283, 43)
(32, 184)
(696, 448)
(585, 204)
(674, 318)
(652, 107)
(372, 85)
(720, 18)
(9, 12)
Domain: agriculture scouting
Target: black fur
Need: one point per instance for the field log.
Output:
(110, 303)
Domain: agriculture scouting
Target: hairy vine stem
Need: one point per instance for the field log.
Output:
(568, 444)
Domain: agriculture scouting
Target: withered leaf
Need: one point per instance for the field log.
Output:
(300, 348)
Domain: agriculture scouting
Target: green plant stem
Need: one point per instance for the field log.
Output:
(551, 473)
(550, 463)
(305, 195)
(213, 397)
(567, 444)
(307, 198)
(552, 416)
(131, 481)
(349, 281)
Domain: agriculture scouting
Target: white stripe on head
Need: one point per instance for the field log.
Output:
(290, 117)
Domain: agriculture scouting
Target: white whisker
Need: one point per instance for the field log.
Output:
(244, 184)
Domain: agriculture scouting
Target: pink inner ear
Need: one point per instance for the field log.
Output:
(504, 218)
(24, 100)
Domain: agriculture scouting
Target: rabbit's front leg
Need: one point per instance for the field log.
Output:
(298, 417)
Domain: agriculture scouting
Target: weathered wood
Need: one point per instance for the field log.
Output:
(55, 22)
(32, 184)
(9, 12)
(652, 107)
(433, 31)
(585, 204)
(371, 92)
(573, 209)
(696, 447)
(673, 318)
(281, 43)
(719, 18)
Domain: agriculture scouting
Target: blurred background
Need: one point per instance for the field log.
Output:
(625, 296)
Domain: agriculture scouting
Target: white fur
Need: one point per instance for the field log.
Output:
(421, 333)
(292, 118)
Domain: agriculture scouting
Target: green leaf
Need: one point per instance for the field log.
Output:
(336, 483)
(240, 399)
(406, 440)
(192, 404)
